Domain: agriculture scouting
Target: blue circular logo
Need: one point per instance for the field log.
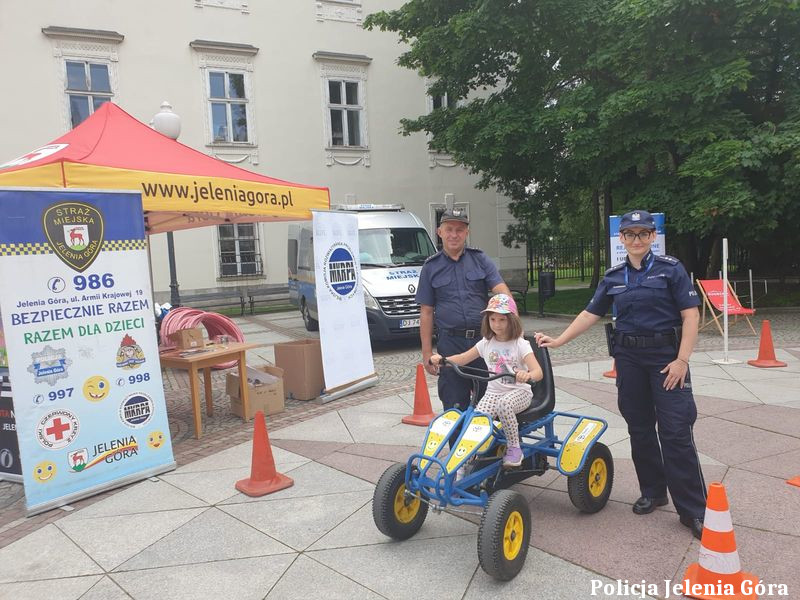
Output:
(136, 410)
(340, 271)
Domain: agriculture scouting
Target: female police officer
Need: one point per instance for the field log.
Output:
(657, 320)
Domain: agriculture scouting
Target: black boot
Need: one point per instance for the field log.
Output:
(645, 505)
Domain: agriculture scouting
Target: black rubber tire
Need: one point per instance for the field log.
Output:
(590, 487)
(388, 493)
(310, 323)
(500, 551)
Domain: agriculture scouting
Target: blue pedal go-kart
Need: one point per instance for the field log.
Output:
(405, 491)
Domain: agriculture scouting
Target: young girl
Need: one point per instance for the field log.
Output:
(505, 351)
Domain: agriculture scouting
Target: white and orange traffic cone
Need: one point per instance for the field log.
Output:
(423, 413)
(766, 351)
(718, 574)
(794, 481)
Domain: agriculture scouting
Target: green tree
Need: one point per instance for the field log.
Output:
(684, 106)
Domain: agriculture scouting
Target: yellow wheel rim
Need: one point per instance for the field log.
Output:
(598, 476)
(512, 535)
(405, 507)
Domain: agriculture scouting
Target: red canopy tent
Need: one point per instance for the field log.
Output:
(181, 187)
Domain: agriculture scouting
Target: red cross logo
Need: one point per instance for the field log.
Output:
(58, 428)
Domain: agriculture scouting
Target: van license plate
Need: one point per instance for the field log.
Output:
(409, 323)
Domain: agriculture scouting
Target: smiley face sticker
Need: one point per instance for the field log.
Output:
(44, 471)
(96, 388)
(155, 439)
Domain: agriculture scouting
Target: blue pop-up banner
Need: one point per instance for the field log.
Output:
(80, 334)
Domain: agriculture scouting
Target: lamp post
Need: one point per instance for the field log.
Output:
(168, 123)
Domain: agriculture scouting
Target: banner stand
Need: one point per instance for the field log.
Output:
(347, 389)
(725, 360)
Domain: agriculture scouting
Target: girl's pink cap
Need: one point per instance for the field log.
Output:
(501, 303)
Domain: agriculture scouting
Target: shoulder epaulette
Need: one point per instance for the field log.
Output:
(668, 259)
(432, 256)
(615, 268)
(473, 249)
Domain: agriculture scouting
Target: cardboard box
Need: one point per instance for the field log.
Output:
(188, 338)
(301, 362)
(266, 397)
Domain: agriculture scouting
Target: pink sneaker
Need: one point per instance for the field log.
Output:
(513, 457)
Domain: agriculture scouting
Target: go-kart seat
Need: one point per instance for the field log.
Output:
(544, 392)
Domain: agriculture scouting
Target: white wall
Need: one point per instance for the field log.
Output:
(155, 62)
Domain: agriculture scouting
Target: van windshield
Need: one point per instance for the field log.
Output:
(392, 247)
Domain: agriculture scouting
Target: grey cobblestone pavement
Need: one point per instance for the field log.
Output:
(395, 365)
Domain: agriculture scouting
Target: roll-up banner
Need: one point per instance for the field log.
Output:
(10, 469)
(343, 331)
(80, 335)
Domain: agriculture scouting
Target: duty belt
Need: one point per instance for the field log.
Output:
(465, 333)
(657, 340)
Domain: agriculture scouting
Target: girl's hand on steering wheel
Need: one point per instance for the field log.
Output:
(523, 376)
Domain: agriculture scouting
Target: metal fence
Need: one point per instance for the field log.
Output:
(572, 261)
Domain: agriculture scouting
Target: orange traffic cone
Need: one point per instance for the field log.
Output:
(766, 353)
(794, 481)
(718, 574)
(612, 374)
(264, 479)
(423, 413)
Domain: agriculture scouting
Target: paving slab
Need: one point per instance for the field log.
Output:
(763, 502)
(359, 530)
(383, 451)
(213, 535)
(239, 456)
(364, 467)
(400, 570)
(45, 554)
(391, 405)
(302, 581)
(774, 391)
(110, 541)
(732, 390)
(649, 547)
(209, 486)
(243, 579)
(105, 589)
(299, 522)
(310, 479)
(328, 427)
(308, 448)
(784, 466)
(732, 443)
(552, 578)
(71, 588)
(777, 419)
(145, 496)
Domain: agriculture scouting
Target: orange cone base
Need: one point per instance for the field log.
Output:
(419, 420)
(794, 481)
(262, 488)
(693, 574)
(766, 363)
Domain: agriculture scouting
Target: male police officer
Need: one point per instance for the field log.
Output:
(656, 331)
(454, 285)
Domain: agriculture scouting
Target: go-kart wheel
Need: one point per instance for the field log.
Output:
(396, 513)
(504, 534)
(590, 487)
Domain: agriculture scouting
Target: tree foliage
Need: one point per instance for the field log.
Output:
(689, 107)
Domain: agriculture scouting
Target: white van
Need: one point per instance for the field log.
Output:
(393, 245)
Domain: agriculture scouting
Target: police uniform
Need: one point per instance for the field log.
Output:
(457, 290)
(648, 302)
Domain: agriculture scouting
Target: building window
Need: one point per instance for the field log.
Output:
(443, 101)
(345, 110)
(239, 250)
(86, 68)
(348, 11)
(228, 106)
(227, 75)
(88, 86)
(344, 104)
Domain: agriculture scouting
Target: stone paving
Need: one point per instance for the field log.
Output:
(320, 532)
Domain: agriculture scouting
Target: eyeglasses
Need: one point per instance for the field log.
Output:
(630, 236)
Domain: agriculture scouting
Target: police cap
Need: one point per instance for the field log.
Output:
(637, 218)
(456, 214)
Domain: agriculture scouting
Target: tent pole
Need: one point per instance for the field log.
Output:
(174, 295)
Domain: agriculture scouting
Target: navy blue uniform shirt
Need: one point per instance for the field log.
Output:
(457, 289)
(649, 299)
